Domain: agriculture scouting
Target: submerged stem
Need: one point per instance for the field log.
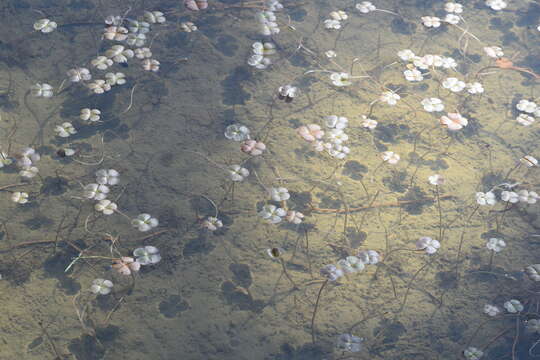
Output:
(315, 310)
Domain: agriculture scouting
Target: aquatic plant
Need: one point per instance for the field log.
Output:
(41, 90)
(525, 120)
(66, 129)
(349, 343)
(294, 217)
(28, 171)
(431, 21)
(351, 264)
(126, 265)
(529, 161)
(115, 78)
(533, 272)
(188, 26)
(279, 193)
(389, 97)
(340, 79)
(429, 245)
(272, 213)
(453, 84)
(143, 53)
(147, 255)
(390, 157)
(453, 7)
(101, 286)
(369, 123)
(287, 92)
(96, 191)
(491, 310)
(145, 222)
(79, 74)
(513, 306)
(454, 121)
(253, 147)
(310, 132)
(91, 115)
(212, 223)
(151, 65)
(196, 5)
(107, 177)
(107, 207)
(99, 86)
(19, 197)
(510, 196)
(238, 173)
(237, 132)
(115, 33)
(472, 353)
(496, 5)
(336, 17)
(331, 272)
(45, 25)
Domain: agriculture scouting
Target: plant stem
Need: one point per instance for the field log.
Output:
(409, 285)
(440, 213)
(286, 272)
(491, 260)
(315, 310)
(461, 241)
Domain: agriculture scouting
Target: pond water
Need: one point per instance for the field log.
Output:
(241, 248)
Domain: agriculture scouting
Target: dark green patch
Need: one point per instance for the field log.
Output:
(87, 348)
(81, 5)
(35, 343)
(233, 93)
(227, 45)
(390, 331)
(37, 222)
(447, 279)
(437, 164)
(490, 180)
(166, 159)
(199, 245)
(529, 17)
(227, 117)
(297, 14)
(173, 306)
(328, 202)
(402, 26)
(177, 40)
(354, 170)
(307, 351)
(397, 181)
(302, 200)
(509, 38)
(240, 298)
(54, 185)
(356, 238)
(391, 133)
(532, 62)
(415, 200)
(241, 274)
(55, 267)
(107, 334)
(500, 25)
(299, 60)
(456, 330)
(15, 272)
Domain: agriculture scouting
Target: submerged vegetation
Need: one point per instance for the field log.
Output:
(270, 180)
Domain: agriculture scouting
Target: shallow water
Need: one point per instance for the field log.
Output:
(218, 295)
